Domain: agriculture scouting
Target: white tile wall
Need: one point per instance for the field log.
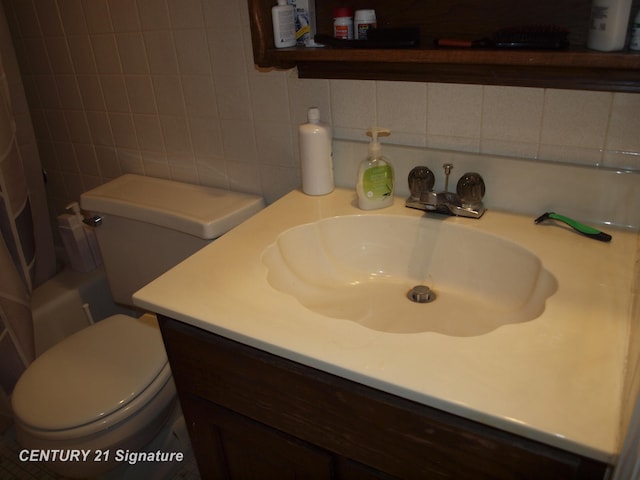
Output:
(168, 88)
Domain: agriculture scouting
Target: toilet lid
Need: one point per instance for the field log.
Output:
(90, 374)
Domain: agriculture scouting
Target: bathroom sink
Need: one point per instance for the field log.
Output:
(362, 268)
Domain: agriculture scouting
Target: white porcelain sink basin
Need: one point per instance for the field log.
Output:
(361, 267)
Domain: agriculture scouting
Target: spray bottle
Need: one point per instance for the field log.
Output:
(375, 175)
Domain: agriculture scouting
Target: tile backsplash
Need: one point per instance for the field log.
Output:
(167, 88)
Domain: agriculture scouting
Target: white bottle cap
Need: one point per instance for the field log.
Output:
(313, 115)
(365, 16)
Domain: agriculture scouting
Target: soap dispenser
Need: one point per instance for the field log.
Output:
(375, 175)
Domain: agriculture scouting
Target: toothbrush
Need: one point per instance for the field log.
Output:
(577, 226)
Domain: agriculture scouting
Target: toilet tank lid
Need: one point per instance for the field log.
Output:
(204, 212)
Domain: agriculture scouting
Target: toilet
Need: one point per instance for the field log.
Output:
(108, 387)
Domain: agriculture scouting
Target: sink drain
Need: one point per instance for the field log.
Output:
(421, 294)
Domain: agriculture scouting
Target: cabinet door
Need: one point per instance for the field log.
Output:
(230, 446)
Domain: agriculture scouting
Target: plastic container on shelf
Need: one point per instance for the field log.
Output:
(343, 23)
(608, 27)
(284, 24)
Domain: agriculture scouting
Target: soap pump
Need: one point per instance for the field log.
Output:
(79, 240)
(375, 175)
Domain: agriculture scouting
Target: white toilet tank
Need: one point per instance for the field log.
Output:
(151, 224)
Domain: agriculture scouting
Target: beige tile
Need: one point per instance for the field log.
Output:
(232, 97)
(239, 141)
(199, 95)
(274, 142)
(624, 126)
(130, 161)
(212, 171)
(72, 16)
(275, 181)
(154, 14)
(66, 157)
(124, 134)
(576, 118)
(91, 92)
(87, 161)
(47, 92)
(140, 93)
(38, 55)
(184, 173)
(402, 107)
(186, 13)
(28, 19)
(242, 177)
(105, 52)
(269, 98)
(305, 93)
(512, 114)
(133, 56)
(227, 53)
(97, 16)
(100, 128)
(192, 50)
(108, 161)
(149, 132)
(161, 52)
(168, 93)
(571, 154)
(115, 93)
(82, 54)
(454, 112)
(353, 103)
(57, 125)
(77, 126)
(156, 165)
(176, 135)
(48, 17)
(59, 55)
(206, 136)
(124, 15)
(222, 13)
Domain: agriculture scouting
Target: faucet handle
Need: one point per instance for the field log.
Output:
(471, 189)
(421, 179)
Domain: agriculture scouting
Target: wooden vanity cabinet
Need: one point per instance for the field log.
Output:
(254, 415)
(575, 68)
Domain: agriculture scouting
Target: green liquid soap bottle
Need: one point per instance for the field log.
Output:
(375, 175)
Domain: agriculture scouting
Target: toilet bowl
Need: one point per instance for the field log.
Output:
(108, 388)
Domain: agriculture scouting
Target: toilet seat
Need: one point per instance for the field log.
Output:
(92, 380)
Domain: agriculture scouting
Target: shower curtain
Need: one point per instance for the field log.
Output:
(24, 218)
(17, 253)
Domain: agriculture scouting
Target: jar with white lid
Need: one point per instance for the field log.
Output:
(364, 20)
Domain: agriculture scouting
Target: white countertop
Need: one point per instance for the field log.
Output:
(557, 379)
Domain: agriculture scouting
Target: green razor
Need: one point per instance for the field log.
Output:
(577, 226)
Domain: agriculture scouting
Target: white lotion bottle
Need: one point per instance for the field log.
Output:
(608, 27)
(284, 24)
(375, 175)
(316, 155)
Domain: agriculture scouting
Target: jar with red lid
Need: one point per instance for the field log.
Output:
(343, 23)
